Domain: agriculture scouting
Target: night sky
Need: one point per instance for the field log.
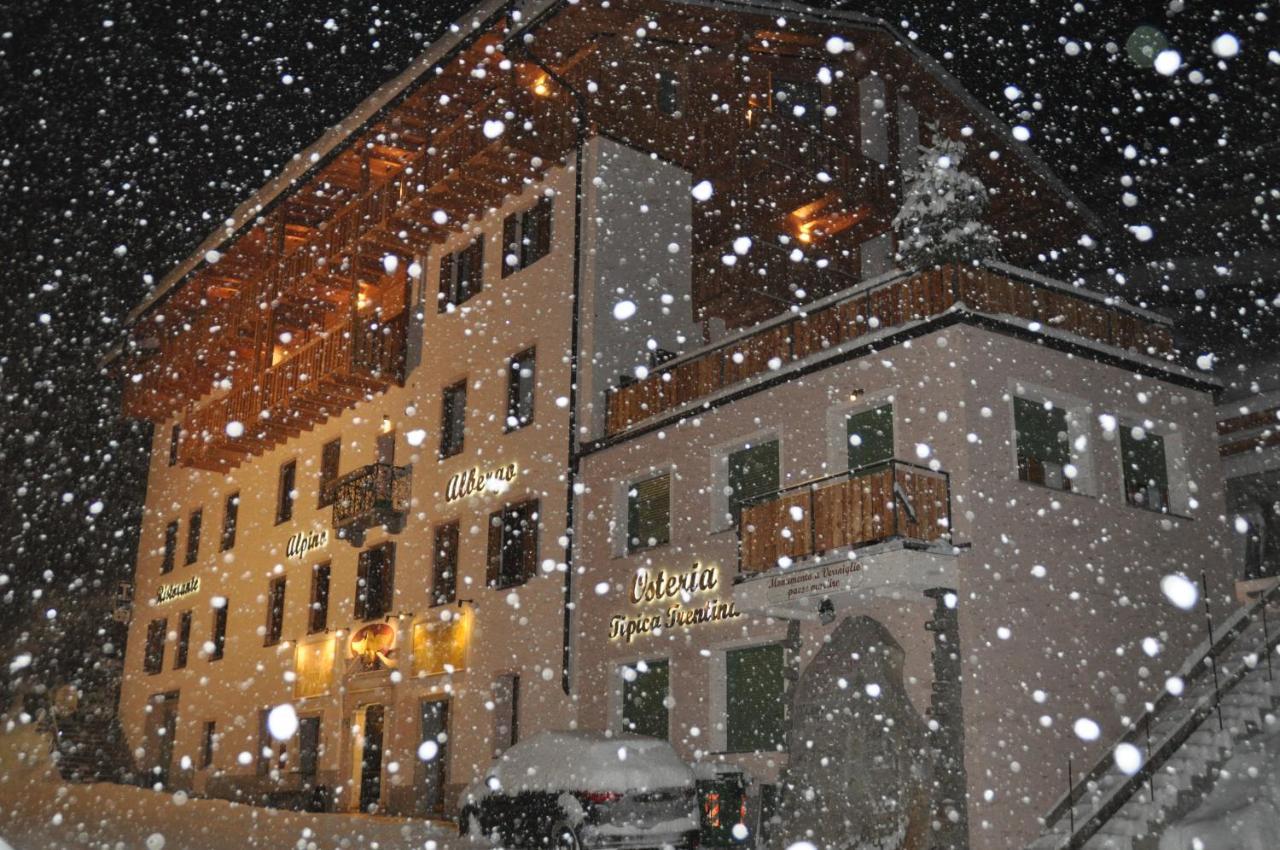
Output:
(128, 129)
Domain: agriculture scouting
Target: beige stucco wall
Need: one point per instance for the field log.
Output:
(1074, 633)
(515, 630)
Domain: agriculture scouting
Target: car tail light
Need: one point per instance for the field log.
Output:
(598, 797)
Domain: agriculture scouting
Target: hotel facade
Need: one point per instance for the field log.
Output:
(570, 382)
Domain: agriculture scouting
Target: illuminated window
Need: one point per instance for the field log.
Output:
(440, 645)
(313, 667)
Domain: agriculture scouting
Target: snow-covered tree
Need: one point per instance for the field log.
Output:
(940, 220)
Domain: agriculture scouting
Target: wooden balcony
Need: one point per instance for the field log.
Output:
(371, 496)
(335, 370)
(894, 500)
(861, 312)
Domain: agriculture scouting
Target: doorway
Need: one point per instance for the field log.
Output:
(435, 770)
(369, 762)
(162, 725)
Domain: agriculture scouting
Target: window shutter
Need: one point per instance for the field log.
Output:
(362, 583)
(388, 588)
(649, 513)
(528, 531)
(446, 282)
(644, 709)
(510, 243)
(493, 571)
(873, 430)
(755, 705)
(473, 269)
(752, 472)
(1144, 462)
(541, 236)
(1042, 434)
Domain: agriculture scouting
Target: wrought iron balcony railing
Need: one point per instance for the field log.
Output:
(893, 500)
(373, 495)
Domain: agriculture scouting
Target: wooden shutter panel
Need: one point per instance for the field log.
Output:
(493, 569)
(362, 584)
(649, 512)
(510, 243)
(1041, 432)
(542, 229)
(474, 269)
(388, 589)
(529, 540)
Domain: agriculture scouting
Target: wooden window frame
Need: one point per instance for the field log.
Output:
(318, 609)
(453, 424)
(194, 523)
(503, 571)
(276, 591)
(330, 467)
(516, 419)
(286, 484)
(230, 518)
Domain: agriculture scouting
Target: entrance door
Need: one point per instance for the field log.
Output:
(163, 724)
(435, 776)
(308, 748)
(371, 758)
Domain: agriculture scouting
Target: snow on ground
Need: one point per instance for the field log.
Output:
(38, 811)
(1242, 812)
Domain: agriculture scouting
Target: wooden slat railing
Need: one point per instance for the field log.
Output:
(895, 302)
(894, 500)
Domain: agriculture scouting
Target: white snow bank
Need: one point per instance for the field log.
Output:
(583, 761)
(1242, 812)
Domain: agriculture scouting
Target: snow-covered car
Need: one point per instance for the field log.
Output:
(584, 791)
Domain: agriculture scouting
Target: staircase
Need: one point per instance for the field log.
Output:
(1229, 694)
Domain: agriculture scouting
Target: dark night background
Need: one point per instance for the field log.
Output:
(129, 129)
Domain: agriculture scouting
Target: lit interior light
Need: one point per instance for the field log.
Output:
(540, 87)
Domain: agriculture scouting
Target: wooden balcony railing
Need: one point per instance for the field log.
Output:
(862, 312)
(373, 495)
(893, 500)
(335, 370)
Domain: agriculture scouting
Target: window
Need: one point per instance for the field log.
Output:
(668, 93)
(230, 513)
(800, 101)
(193, 535)
(513, 545)
(318, 613)
(272, 754)
(386, 445)
(453, 419)
(1146, 473)
(275, 611)
(444, 578)
(1044, 447)
(754, 699)
(440, 644)
(175, 436)
(170, 547)
(753, 472)
(284, 491)
(184, 641)
(209, 743)
(870, 436)
(375, 582)
(219, 631)
(308, 748)
(644, 699)
(313, 667)
(649, 513)
(153, 658)
(330, 458)
(526, 237)
(520, 383)
(461, 275)
(506, 712)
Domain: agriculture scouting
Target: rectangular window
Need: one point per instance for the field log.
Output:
(272, 754)
(375, 582)
(175, 436)
(520, 384)
(193, 535)
(386, 446)
(644, 699)
(453, 419)
(526, 237)
(153, 658)
(284, 491)
(275, 611)
(799, 101)
(219, 631)
(209, 742)
(506, 712)
(318, 613)
(1146, 471)
(230, 514)
(649, 513)
(313, 667)
(753, 472)
(1044, 447)
(870, 436)
(440, 644)
(513, 545)
(330, 458)
(444, 578)
(461, 276)
(308, 748)
(184, 641)
(668, 93)
(170, 547)
(754, 699)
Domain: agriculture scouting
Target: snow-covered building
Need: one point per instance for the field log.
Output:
(571, 381)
